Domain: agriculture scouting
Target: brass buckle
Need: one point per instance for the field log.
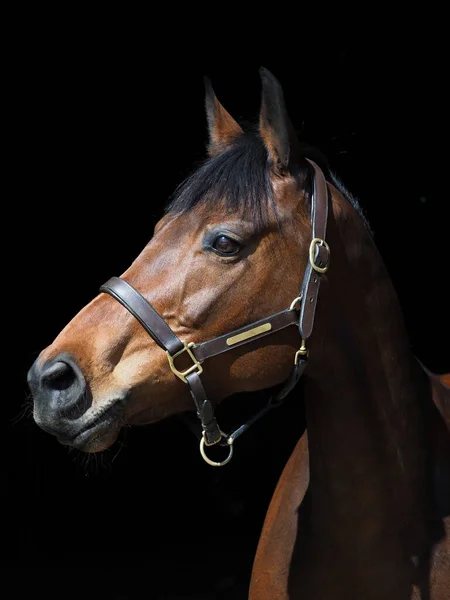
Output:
(182, 374)
(312, 248)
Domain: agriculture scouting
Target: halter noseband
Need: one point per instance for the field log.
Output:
(162, 334)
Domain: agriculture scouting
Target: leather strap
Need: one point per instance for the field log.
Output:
(142, 310)
(161, 333)
(158, 329)
(205, 409)
(209, 425)
(291, 382)
(274, 402)
(228, 341)
(312, 278)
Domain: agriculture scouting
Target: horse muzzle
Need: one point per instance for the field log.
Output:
(63, 405)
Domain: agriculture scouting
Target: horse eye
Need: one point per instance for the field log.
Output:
(226, 246)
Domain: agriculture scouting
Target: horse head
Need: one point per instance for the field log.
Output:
(231, 249)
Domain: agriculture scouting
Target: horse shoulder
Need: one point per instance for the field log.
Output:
(273, 557)
(440, 385)
(439, 434)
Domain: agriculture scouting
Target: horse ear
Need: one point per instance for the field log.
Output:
(222, 128)
(275, 126)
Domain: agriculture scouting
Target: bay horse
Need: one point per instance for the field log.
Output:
(237, 292)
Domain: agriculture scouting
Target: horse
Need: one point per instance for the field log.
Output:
(237, 292)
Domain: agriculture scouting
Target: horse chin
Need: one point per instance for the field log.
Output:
(94, 439)
(101, 441)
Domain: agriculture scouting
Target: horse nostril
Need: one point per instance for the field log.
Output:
(59, 389)
(60, 376)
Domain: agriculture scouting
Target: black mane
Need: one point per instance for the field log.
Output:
(240, 178)
(333, 178)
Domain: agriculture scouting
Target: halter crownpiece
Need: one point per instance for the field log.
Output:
(162, 334)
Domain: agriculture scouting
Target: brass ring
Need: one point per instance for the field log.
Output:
(211, 462)
(295, 302)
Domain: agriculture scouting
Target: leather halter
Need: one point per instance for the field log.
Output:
(162, 334)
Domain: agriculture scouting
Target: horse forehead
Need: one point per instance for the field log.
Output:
(182, 225)
(173, 236)
(188, 226)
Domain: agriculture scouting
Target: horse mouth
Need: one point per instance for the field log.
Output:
(97, 435)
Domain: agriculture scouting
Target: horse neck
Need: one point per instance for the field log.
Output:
(362, 396)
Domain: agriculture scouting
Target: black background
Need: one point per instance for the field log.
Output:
(104, 127)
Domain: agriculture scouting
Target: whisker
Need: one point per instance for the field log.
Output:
(25, 411)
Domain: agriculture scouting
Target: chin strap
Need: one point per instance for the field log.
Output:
(274, 401)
